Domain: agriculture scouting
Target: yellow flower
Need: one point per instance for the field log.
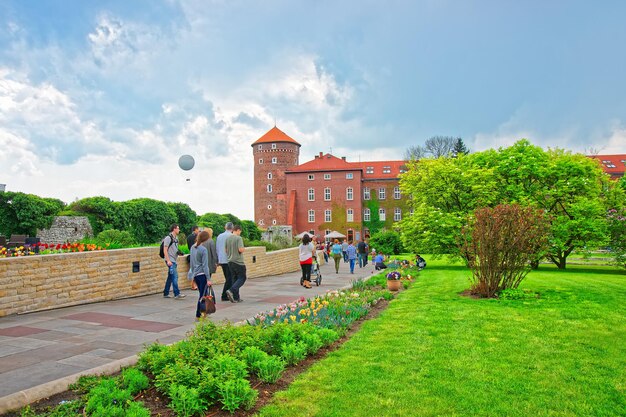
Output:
(293, 318)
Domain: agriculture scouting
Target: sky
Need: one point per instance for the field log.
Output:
(101, 98)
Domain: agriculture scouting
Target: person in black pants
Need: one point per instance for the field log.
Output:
(234, 249)
(222, 258)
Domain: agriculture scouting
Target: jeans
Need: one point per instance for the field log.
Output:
(306, 271)
(201, 282)
(345, 256)
(228, 281)
(362, 259)
(352, 262)
(238, 274)
(172, 279)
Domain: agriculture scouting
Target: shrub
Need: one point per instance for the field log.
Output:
(312, 342)
(270, 368)
(228, 367)
(499, 244)
(115, 238)
(185, 401)
(106, 399)
(237, 393)
(387, 242)
(293, 353)
(177, 373)
(134, 380)
(253, 355)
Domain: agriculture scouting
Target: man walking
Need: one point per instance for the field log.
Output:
(361, 248)
(234, 250)
(222, 258)
(344, 250)
(170, 245)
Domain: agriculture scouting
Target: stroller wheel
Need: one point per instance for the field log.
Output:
(318, 281)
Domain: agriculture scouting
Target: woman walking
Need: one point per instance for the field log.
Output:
(337, 253)
(306, 249)
(199, 267)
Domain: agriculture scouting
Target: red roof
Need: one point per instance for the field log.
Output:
(612, 164)
(326, 162)
(371, 170)
(275, 135)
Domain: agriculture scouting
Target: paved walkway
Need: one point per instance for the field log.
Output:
(42, 353)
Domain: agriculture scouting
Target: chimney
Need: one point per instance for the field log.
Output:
(321, 154)
(343, 158)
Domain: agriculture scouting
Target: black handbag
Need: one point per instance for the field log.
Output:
(207, 302)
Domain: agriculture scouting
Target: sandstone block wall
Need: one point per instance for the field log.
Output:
(34, 283)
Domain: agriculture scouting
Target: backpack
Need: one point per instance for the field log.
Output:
(162, 247)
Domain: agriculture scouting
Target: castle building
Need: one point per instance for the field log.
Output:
(325, 194)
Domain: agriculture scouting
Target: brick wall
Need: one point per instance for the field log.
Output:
(33, 283)
(66, 229)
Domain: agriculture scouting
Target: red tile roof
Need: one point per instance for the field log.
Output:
(612, 164)
(326, 162)
(275, 135)
(381, 169)
(371, 170)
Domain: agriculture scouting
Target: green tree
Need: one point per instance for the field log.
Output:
(100, 211)
(22, 213)
(459, 148)
(213, 220)
(250, 230)
(186, 217)
(148, 220)
(387, 242)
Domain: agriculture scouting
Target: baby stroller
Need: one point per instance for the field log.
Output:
(316, 274)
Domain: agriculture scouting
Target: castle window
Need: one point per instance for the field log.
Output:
(273, 146)
(396, 193)
(260, 147)
(273, 221)
(349, 176)
(269, 175)
(366, 193)
(349, 194)
(386, 170)
(311, 216)
(269, 206)
(366, 215)
(261, 161)
(261, 223)
(269, 188)
(274, 160)
(311, 194)
(350, 215)
(311, 177)
(326, 194)
(369, 170)
(381, 215)
(397, 215)
(382, 194)
(326, 176)
(327, 215)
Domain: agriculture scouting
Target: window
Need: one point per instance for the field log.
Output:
(273, 146)
(274, 160)
(387, 170)
(273, 221)
(260, 147)
(261, 161)
(269, 188)
(311, 216)
(326, 194)
(328, 215)
(397, 214)
(381, 194)
(269, 175)
(396, 193)
(369, 170)
(366, 193)
(381, 215)
(269, 206)
(350, 215)
(349, 193)
(311, 194)
(366, 215)
(349, 176)
(326, 176)
(311, 177)
(261, 222)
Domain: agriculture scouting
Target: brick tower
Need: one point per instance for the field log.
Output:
(274, 153)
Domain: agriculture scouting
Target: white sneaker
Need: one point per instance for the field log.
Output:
(180, 296)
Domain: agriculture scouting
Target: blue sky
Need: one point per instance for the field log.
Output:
(103, 97)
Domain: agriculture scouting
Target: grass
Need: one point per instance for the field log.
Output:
(434, 352)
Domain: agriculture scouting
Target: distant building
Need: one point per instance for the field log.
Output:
(612, 164)
(3, 187)
(325, 194)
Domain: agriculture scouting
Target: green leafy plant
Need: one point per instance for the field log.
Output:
(115, 239)
(226, 366)
(312, 342)
(185, 401)
(236, 393)
(107, 399)
(270, 368)
(293, 353)
(134, 380)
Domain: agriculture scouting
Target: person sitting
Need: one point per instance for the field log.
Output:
(420, 262)
(379, 262)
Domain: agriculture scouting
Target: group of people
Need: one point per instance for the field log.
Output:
(204, 257)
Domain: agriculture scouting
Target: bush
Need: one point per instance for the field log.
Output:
(499, 244)
(185, 401)
(293, 353)
(237, 393)
(134, 380)
(270, 368)
(387, 242)
(115, 239)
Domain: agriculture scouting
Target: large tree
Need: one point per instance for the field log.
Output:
(568, 187)
(22, 213)
(434, 147)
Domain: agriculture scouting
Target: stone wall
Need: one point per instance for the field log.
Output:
(33, 283)
(66, 229)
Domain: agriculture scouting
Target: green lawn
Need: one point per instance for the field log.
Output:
(433, 352)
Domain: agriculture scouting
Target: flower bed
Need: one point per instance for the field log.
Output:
(214, 366)
(46, 249)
